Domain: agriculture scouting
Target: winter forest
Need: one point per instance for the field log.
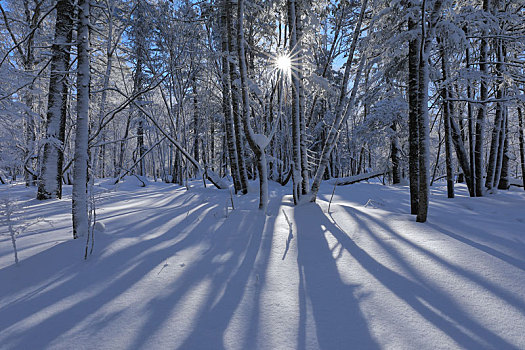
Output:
(262, 174)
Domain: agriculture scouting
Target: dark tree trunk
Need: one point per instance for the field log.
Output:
(413, 114)
(504, 181)
(296, 108)
(396, 161)
(237, 118)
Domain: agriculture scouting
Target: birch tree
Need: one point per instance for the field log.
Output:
(80, 170)
(227, 96)
(50, 185)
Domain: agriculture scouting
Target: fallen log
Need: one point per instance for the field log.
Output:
(356, 178)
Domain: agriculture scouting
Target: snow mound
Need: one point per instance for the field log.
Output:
(100, 226)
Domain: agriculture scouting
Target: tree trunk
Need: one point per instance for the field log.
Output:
(482, 111)
(396, 161)
(235, 97)
(226, 98)
(79, 196)
(492, 164)
(502, 164)
(50, 185)
(522, 145)
(501, 146)
(504, 181)
(423, 137)
(305, 176)
(423, 121)
(447, 126)
(471, 133)
(256, 145)
(296, 108)
(413, 130)
(196, 120)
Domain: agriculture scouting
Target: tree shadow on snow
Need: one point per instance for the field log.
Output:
(76, 290)
(339, 322)
(431, 303)
(82, 296)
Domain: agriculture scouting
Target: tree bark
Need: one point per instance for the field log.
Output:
(396, 159)
(296, 107)
(447, 125)
(504, 181)
(413, 130)
(227, 98)
(423, 134)
(492, 164)
(196, 119)
(482, 111)
(79, 195)
(423, 121)
(50, 185)
(522, 145)
(235, 97)
(305, 176)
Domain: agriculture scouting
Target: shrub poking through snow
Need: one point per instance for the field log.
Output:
(11, 217)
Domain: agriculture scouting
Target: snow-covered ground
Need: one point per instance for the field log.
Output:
(179, 269)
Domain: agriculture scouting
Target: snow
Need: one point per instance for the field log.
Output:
(100, 226)
(261, 140)
(171, 271)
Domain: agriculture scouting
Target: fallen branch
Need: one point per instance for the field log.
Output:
(357, 178)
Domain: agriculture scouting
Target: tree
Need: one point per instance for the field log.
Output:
(80, 171)
(50, 183)
(227, 96)
(427, 36)
(343, 107)
(414, 47)
(257, 142)
(300, 176)
(521, 145)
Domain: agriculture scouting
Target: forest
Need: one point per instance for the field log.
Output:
(287, 113)
(298, 91)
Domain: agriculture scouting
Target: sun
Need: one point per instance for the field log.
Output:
(283, 63)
